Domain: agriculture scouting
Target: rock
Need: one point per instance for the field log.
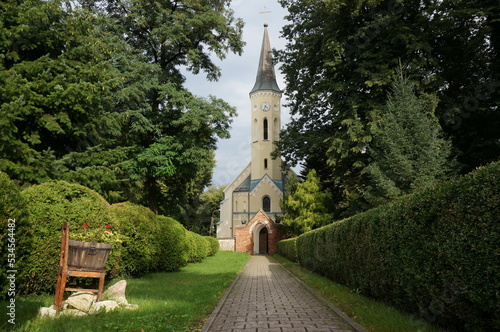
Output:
(73, 312)
(107, 305)
(121, 300)
(81, 301)
(116, 291)
(50, 312)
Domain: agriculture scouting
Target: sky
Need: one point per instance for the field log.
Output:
(238, 77)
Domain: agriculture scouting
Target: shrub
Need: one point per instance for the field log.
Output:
(173, 245)
(198, 247)
(433, 253)
(213, 245)
(288, 248)
(15, 239)
(50, 205)
(140, 253)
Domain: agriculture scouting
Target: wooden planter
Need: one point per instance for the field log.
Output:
(88, 256)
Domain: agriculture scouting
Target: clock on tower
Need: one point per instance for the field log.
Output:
(265, 106)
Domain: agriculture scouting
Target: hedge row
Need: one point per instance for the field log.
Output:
(434, 253)
(142, 241)
(288, 248)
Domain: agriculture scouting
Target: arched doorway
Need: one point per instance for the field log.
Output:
(263, 247)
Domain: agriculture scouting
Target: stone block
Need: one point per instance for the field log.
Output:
(81, 301)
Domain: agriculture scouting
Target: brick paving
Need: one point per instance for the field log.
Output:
(265, 297)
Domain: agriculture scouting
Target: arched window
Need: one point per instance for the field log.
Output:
(266, 204)
(265, 163)
(266, 130)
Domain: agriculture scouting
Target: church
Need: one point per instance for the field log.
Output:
(250, 212)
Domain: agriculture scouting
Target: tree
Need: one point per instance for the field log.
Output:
(61, 72)
(306, 207)
(92, 92)
(340, 59)
(407, 150)
(180, 130)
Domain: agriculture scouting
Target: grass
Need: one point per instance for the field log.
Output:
(372, 315)
(174, 301)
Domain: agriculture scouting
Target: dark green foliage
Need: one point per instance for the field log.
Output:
(15, 238)
(93, 92)
(340, 59)
(433, 253)
(407, 152)
(173, 245)
(213, 245)
(141, 250)
(288, 248)
(50, 205)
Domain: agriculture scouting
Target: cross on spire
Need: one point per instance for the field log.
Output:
(265, 11)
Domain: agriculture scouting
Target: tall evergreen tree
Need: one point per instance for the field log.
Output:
(407, 151)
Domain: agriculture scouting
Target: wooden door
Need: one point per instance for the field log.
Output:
(263, 241)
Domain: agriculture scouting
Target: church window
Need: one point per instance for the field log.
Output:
(266, 130)
(266, 204)
(265, 163)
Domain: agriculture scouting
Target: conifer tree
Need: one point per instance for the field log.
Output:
(407, 150)
(306, 206)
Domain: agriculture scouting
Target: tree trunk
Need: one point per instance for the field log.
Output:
(152, 194)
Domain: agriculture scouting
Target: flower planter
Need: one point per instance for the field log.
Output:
(88, 256)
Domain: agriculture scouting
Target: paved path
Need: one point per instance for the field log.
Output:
(266, 297)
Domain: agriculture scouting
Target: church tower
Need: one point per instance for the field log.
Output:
(266, 115)
(250, 211)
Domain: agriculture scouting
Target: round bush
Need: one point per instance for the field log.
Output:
(173, 245)
(198, 247)
(213, 245)
(50, 205)
(14, 235)
(140, 252)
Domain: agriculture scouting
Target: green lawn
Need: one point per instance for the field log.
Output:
(372, 315)
(175, 301)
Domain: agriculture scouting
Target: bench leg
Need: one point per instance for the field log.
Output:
(101, 287)
(60, 286)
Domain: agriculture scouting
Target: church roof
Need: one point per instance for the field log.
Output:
(248, 184)
(266, 78)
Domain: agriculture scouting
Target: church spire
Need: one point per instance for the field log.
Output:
(266, 79)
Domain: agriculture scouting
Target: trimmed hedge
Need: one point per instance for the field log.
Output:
(15, 239)
(198, 248)
(213, 245)
(288, 248)
(434, 253)
(141, 250)
(50, 205)
(173, 245)
(142, 241)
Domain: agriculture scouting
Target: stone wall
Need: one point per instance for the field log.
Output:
(226, 244)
